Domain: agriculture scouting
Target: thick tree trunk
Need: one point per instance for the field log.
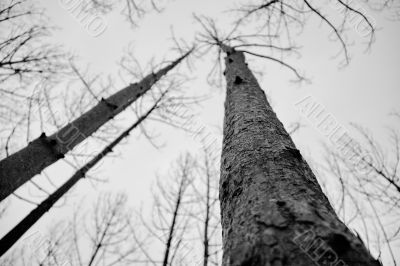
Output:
(21, 166)
(273, 209)
(20, 229)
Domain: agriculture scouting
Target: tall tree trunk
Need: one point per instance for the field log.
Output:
(273, 209)
(20, 229)
(21, 166)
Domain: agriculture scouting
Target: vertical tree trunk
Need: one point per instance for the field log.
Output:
(273, 209)
(208, 209)
(21, 166)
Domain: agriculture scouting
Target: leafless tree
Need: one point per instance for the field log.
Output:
(249, 170)
(273, 209)
(279, 21)
(169, 222)
(186, 222)
(133, 10)
(207, 215)
(96, 236)
(28, 60)
(160, 102)
(24, 53)
(108, 231)
(21, 166)
(185, 217)
(269, 29)
(367, 179)
(270, 200)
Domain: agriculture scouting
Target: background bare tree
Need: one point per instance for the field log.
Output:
(206, 211)
(108, 232)
(133, 10)
(29, 63)
(367, 182)
(96, 236)
(169, 222)
(184, 221)
(25, 49)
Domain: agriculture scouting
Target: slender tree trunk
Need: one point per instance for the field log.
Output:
(206, 253)
(174, 221)
(21, 166)
(20, 229)
(273, 209)
(101, 243)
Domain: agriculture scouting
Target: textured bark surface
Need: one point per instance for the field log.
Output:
(273, 209)
(21, 166)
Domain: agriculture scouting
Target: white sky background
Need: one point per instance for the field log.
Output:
(364, 92)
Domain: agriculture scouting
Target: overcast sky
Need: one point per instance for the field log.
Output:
(365, 92)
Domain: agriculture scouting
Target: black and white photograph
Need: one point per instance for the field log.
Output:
(204, 133)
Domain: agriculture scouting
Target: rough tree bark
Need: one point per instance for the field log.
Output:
(23, 226)
(273, 209)
(21, 166)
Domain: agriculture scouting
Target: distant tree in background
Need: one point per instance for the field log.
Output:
(169, 224)
(205, 188)
(367, 185)
(26, 52)
(182, 228)
(99, 237)
(28, 60)
(132, 10)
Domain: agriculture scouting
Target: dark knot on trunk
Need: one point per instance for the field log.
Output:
(238, 80)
